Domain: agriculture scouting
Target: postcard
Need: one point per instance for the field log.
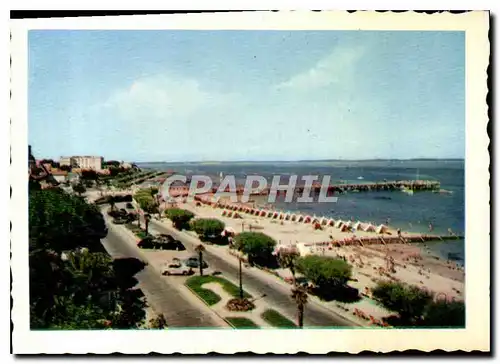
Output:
(267, 182)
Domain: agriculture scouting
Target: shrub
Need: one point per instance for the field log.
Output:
(258, 246)
(180, 218)
(442, 313)
(409, 301)
(207, 228)
(324, 271)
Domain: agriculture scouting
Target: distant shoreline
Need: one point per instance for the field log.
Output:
(310, 161)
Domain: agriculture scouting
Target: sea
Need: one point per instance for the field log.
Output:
(411, 213)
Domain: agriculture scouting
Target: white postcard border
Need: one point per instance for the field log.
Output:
(475, 336)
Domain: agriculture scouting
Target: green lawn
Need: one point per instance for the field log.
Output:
(209, 296)
(135, 229)
(242, 323)
(276, 319)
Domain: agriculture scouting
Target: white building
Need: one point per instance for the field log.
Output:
(83, 162)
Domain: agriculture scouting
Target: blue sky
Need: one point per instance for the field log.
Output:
(246, 95)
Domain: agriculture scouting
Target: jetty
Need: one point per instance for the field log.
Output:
(381, 234)
(332, 189)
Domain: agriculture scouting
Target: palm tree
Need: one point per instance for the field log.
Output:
(112, 203)
(147, 218)
(287, 260)
(300, 296)
(200, 249)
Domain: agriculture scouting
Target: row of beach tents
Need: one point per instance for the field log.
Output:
(230, 209)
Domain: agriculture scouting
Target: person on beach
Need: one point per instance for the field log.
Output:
(399, 233)
(431, 227)
(388, 221)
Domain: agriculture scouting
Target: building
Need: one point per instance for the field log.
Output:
(60, 176)
(66, 161)
(82, 162)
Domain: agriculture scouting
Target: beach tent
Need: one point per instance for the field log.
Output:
(369, 227)
(358, 226)
(339, 223)
(303, 249)
(381, 229)
(344, 228)
(349, 224)
(300, 218)
(307, 220)
(324, 221)
(287, 217)
(229, 214)
(331, 222)
(275, 215)
(236, 215)
(263, 213)
(293, 217)
(269, 214)
(224, 213)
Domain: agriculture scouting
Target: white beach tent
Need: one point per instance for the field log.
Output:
(331, 222)
(324, 221)
(369, 227)
(339, 223)
(381, 229)
(358, 226)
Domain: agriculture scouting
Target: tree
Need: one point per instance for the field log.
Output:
(79, 188)
(200, 249)
(180, 218)
(287, 259)
(443, 313)
(325, 272)
(112, 202)
(300, 297)
(147, 218)
(73, 285)
(207, 228)
(258, 246)
(409, 301)
(158, 322)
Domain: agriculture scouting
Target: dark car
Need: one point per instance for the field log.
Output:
(166, 237)
(173, 245)
(147, 243)
(193, 262)
(129, 205)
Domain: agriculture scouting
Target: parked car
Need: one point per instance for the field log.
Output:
(120, 220)
(193, 262)
(172, 245)
(161, 243)
(176, 268)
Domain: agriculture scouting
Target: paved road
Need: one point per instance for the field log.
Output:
(162, 294)
(277, 295)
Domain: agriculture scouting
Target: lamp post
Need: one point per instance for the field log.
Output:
(241, 281)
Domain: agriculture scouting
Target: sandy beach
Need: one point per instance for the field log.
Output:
(409, 263)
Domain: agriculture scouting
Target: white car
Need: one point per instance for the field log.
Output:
(176, 269)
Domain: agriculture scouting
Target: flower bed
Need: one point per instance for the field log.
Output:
(242, 323)
(241, 305)
(209, 296)
(276, 319)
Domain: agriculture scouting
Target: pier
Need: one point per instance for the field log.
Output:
(416, 185)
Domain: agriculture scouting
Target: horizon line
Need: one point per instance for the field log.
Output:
(305, 160)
